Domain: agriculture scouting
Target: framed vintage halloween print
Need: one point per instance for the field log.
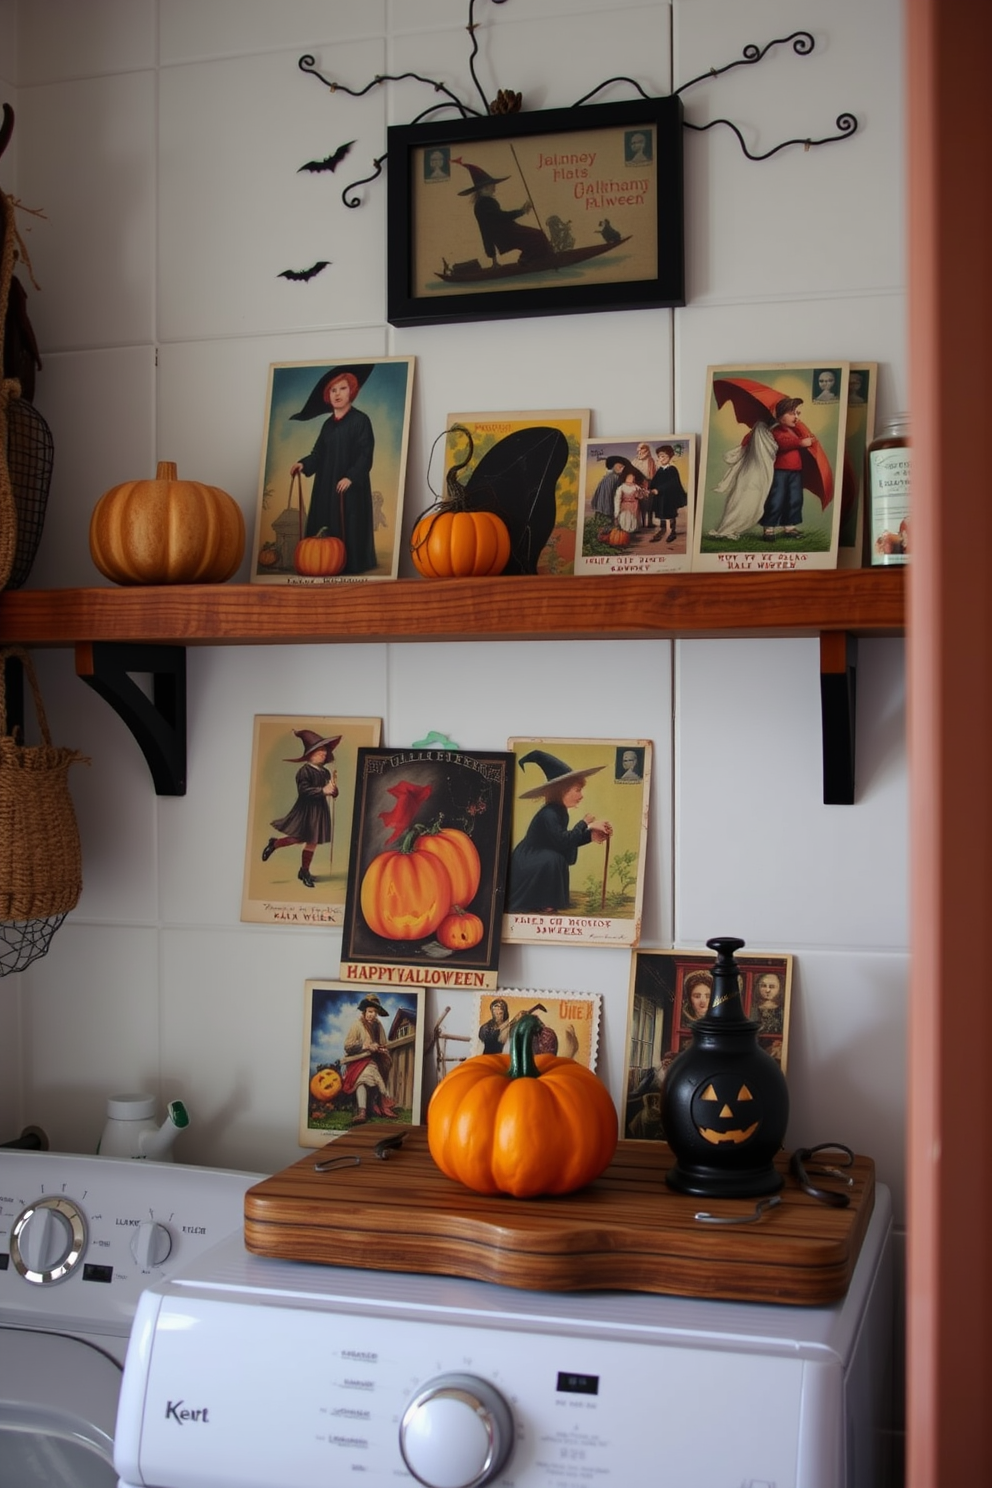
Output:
(635, 504)
(300, 802)
(771, 467)
(669, 991)
(427, 869)
(362, 1058)
(568, 1022)
(333, 470)
(580, 815)
(536, 213)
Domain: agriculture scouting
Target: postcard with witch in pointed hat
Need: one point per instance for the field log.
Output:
(333, 468)
(300, 805)
(427, 873)
(580, 816)
(772, 465)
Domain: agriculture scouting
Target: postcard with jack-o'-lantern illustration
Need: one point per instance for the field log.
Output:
(427, 871)
(580, 816)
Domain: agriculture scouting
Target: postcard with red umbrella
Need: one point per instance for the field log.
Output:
(772, 466)
(427, 872)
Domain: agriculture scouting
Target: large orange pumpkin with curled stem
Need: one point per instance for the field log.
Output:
(449, 544)
(522, 1124)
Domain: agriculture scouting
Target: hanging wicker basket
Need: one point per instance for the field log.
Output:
(40, 856)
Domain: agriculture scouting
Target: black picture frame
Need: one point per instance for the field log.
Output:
(586, 158)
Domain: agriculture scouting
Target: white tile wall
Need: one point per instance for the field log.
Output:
(163, 141)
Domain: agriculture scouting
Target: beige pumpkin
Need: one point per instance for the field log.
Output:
(167, 531)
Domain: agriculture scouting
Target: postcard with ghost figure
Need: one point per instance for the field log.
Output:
(771, 468)
(580, 819)
(332, 473)
(427, 872)
(860, 433)
(300, 800)
(525, 468)
(363, 1058)
(636, 504)
(669, 991)
(567, 1023)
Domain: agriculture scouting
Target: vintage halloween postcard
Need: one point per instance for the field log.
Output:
(301, 794)
(567, 1023)
(362, 1058)
(669, 992)
(580, 816)
(333, 468)
(771, 467)
(636, 499)
(427, 871)
(525, 468)
(860, 433)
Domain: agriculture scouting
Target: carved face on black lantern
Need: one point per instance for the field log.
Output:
(723, 1111)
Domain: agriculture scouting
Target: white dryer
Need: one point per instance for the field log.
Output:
(80, 1238)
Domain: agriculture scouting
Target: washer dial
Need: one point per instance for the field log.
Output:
(456, 1432)
(48, 1240)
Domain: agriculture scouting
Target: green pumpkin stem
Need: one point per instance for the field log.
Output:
(522, 1065)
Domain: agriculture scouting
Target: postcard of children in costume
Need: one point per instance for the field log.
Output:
(860, 433)
(427, 871)
(669, 992)
(362, 1059)
(333, 468)
(525, 468)
(300, 801)
(580, 817)
(567, 1023)
(771, 468)
(636, 504)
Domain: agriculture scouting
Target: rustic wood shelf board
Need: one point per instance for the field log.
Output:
(628, 1231)
(523, 607)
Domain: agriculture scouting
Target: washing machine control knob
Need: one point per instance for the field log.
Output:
(456, 1432)
(151, 1244)
(48, 1240)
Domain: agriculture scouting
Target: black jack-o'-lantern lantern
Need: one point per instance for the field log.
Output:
(725, 1104)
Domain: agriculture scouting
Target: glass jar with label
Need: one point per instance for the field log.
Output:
(888, 493)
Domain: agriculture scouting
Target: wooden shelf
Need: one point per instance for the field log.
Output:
(861, 602)
(119, 632)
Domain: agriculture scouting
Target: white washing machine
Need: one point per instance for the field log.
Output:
(80, 1237)
(245, 1372)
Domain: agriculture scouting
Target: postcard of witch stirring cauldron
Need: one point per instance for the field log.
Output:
(333, 468)
(427, 872)
(771, 470)
(300, 803)
(580, 818)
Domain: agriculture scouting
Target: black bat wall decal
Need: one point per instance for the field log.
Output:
(305, 274)
(330, 162)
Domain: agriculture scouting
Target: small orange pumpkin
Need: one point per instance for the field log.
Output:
(617, 538)
(460, 931)
(167, 531)
(319, 557)
(448, 543)
(521, 1124)
(326, 1085)
(268, 556)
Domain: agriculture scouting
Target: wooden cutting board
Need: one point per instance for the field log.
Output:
(628, 1231)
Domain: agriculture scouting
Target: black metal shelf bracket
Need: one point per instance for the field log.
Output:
(158, 723)
(838, 695)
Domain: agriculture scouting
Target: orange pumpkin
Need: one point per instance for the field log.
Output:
(326, 1085)
(448, 543)
(405, 894)
(167, 531)
(521, 1124)
(460, 857)
(268, 556)
(320, 556)
(460, 931)
(617, 538)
